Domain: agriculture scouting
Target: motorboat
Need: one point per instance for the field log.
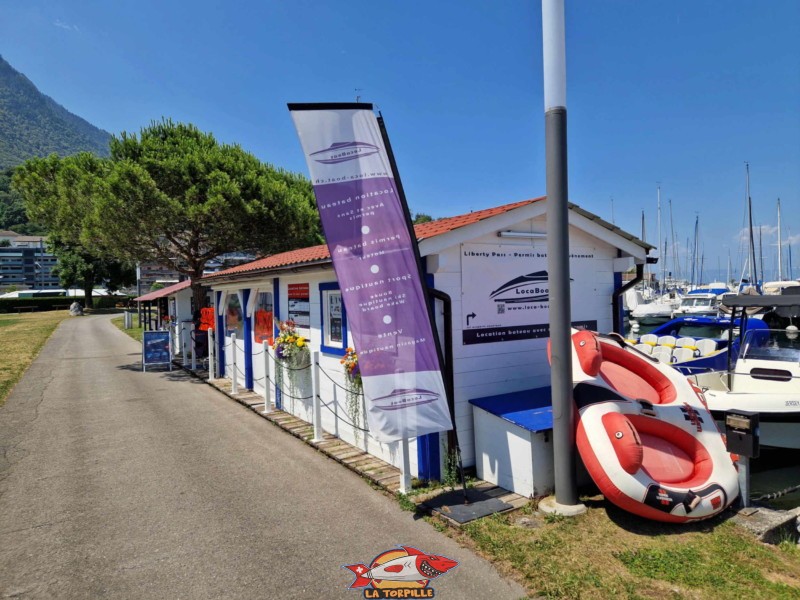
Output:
(776, 288)
(645, 435)
(765, 375)
(657, 311)
(695, 344)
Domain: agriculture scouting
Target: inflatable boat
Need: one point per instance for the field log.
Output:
(645, 435)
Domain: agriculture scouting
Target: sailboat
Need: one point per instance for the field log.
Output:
(660, 309)
(775, 288)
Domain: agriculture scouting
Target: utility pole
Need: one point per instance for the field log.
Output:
(555, 119)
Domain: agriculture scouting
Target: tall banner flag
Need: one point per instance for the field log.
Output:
(374, 257)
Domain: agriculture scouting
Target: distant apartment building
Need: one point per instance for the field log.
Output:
(26, 263)
(152, 272)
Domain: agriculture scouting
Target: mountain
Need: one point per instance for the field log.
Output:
(32, 124)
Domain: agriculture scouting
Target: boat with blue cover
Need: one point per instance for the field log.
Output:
(696, 344)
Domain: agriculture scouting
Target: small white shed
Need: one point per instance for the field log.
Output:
(492, 264)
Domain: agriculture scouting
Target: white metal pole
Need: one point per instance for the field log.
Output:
(234, 378)
(212, 364)
(405, 469)
(184, 356)
(317, 402)
(267, 380)
(193, 346)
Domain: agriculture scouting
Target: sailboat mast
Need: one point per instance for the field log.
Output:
(694, 252)
(728, 280)
(753, 272)
(661, 257)
(780, 253)
(676, 264)
(646, 269)
(760, 251)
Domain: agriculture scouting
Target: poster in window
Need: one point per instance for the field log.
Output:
(335, 317)
(233, 316)
(262, 317)
(300, 306)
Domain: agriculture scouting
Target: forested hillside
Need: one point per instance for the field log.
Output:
(32, 124)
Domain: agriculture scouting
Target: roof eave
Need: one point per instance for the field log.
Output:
(243, 276)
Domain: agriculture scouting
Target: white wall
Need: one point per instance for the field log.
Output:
(336, 417)
(485, 369)
(489, 369)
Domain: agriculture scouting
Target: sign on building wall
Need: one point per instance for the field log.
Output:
(506, 291)
(299, 309)
(374, 257)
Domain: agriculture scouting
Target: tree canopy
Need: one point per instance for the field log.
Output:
(12, 208)
(59, 194)
(172, 194)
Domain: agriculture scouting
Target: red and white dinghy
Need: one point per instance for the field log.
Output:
(645, 434)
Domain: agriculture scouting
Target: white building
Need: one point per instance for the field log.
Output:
(492, 263)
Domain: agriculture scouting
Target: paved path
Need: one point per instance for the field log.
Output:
(121, 484)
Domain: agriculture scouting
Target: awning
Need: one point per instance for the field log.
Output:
(163, 292)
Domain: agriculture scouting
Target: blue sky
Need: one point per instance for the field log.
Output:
(680, 92)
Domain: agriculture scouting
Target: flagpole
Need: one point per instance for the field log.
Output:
(555, 98)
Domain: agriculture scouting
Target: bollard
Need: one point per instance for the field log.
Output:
(182, 337)
(234, 374)
(267, 380)
(315, 395)
(405, 469)
(193, 343)
(128, 320)
(212, 365)
(744, 481)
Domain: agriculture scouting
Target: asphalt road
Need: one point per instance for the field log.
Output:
(121, 484)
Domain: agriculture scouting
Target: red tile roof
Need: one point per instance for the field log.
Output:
(320, 253)
(167, 291)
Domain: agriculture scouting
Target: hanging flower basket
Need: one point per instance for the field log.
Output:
(354, 390)
(290, 347)
(351, 368)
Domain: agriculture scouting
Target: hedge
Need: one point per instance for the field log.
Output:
(58, 303)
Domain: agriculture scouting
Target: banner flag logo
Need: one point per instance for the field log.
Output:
(373, 255)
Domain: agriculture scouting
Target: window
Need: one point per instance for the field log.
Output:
(233, 316)
(262, 319)
(334, 319)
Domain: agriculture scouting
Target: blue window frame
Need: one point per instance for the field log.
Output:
(333, 319)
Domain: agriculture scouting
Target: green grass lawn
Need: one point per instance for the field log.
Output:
(607, 553)
(21, 338)
(135, 332)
